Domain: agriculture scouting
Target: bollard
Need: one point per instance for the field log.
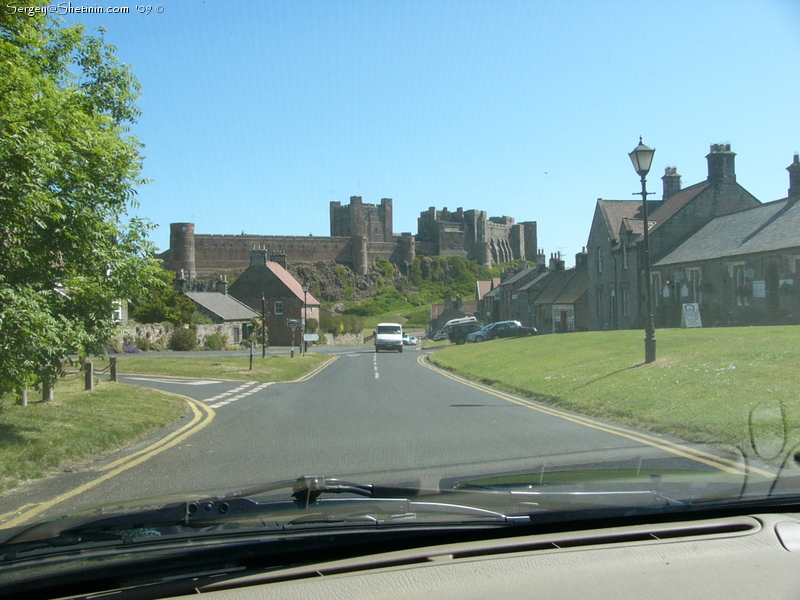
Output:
(23, 397)
(89, 376)
(112, 362)
(251, 355)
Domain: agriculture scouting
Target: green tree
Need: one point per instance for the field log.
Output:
(161, 302)
(69, 170)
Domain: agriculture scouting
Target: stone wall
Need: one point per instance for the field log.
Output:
(344, 339)
(157, 335)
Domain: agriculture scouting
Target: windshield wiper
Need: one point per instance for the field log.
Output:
(371, 505)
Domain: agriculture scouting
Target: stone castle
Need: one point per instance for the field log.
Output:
(360, 234)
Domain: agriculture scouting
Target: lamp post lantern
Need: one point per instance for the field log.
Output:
(642, 159)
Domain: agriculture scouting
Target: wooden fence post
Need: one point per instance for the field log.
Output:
(113, 364)
(89, 376)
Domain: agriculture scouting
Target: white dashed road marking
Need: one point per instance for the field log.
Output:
(236, 393)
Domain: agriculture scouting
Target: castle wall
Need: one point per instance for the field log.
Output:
(213, 252)
(360, 234)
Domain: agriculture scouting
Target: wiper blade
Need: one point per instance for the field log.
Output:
(373, 504)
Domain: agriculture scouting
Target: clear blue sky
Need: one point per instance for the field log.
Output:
(256, 115)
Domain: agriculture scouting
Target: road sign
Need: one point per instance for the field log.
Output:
(311, 337)
(293, 324)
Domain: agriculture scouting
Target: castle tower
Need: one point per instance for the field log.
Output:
(181, 249)
(360, 256)
(408, 247)
(531, 240)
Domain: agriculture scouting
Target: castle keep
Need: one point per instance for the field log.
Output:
(360, 234)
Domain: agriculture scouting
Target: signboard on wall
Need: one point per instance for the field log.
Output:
(690, 315)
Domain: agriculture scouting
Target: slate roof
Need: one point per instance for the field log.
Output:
(766, 228)
(673, 204)
(614, 211)
(534, 281)
(225, 307)
(520, 275)
(483, 287)
(564, 287)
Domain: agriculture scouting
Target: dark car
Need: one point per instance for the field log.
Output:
(501, 329)
(458, 333)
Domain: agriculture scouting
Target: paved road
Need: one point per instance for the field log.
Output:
(375, 418)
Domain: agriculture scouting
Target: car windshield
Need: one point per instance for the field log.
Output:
(213, 216)
(393, 329)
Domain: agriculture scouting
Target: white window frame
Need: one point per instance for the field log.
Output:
(695, 291)
(277, 307)
(655, 276)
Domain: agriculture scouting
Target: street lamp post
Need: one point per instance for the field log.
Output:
(642, 159)
(305, 315)
(263, 326)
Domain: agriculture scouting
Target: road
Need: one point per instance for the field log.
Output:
(374, 418)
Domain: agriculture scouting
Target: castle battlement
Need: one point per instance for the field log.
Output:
(360, 234)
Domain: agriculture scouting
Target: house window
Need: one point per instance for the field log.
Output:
(695, 281)
(625, 300)
(599, 296)
(624, 255)
(599, 259)
(656, 288)
(278, 309)
(742, 283)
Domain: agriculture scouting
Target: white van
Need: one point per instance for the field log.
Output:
(389, 336)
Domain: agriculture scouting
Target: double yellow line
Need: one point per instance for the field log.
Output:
(682, 450)
(202, 415)
(313, 372)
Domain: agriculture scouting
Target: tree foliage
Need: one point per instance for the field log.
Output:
(161, 302)
(69, 170)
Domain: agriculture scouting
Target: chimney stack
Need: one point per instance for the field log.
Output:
(721, 167)
(672, 182)
(222, 285)
(556, 262)
(794, 178)
(581, 258)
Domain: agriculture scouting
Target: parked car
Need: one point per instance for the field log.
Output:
(409, 340)
(458, 333)
(501, 329)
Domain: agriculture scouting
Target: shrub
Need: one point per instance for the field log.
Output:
(215, 342)
(352, 324)
(143, 343)
(183, 339)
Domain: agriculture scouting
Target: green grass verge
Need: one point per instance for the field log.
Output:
(271, 368)
(704, 387)
(38, 439)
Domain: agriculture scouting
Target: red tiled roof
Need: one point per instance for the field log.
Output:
(290, 282)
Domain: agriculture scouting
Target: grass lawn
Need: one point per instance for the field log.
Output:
(271, 368)
(704, 386)
(76, 425)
